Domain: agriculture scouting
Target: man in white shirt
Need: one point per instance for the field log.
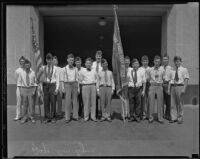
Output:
(97, 66)
(50, 88)
(136, 89)
(105, 89)
(155, 76)
(27, 90)
(166, 79)
(59, 95)
(88, 78)
(127, 106)
(78, 63)
(145, 105)
(18, 99)
(71, 87)
(177, 88)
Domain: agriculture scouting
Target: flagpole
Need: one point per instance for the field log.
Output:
(37, 92)
(121, 96)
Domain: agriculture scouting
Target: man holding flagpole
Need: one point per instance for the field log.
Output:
(119, 70)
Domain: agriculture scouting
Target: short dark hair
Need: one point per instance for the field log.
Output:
(104, 61)
(49, 56)
(77, 59)
(126, 58)
(70, 56)
(27, 61)
(145, 57)
(99, 52)
(22, 58)
(88, 59)
(176, 58)
(157, 57)
(55, 57)
(135, 60)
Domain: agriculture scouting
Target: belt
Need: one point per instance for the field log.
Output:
(89, 84)
(136, 87)
(156, 84)
(46, 83)
(177, 84)
(104, 85)
(29, 87)
(71, 82)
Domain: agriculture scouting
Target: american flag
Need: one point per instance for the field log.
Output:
(38, 63)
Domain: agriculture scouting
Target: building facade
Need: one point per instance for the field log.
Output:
(179, 35)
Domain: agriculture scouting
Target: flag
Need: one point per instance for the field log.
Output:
(119, 70)
(38, 63)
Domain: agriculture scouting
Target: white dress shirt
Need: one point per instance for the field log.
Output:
(94, 65)
(146, 69)
(156, 75)
(87, 77)
(79, 70)
(167, 73)
(17, 73)
(182, 75)
(32, 78)
(54, 78)
(110, 81)
(69, 74)
(141, 77)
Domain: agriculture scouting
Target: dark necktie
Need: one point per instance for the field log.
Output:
(134, 77)
(49, 72)
(176, 75)
(27, 79)
(106, 77)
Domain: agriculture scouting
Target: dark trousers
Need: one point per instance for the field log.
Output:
(49, 100)
(80, 99)
(166, 101)
(98, 108)
(134, 95)
(58, 99)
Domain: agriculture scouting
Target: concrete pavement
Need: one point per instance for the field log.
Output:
(103, 138)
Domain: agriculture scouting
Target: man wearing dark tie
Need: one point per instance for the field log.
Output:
(155, 76)
(166, 79)
(97, 66)
(177, 88)
(78, 63)
(105, 89)
(27, 91)
(50, 88)
(136, 89)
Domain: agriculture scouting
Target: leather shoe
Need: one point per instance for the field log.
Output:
(180, 122)
(161, 121)
(95, 120)
(102, 119)
(151, 120)
(67, 121)
(109, 119)
(24, 121)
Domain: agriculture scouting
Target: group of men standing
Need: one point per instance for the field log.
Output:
(160, 86)
(82, 87)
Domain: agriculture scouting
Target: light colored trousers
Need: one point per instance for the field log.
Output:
(176, 102)
(71, 98)
(19, 103)
(89, 101)
(158, 91)
(105, 100)
(27, 98)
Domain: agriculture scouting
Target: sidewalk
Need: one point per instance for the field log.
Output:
(103, 138)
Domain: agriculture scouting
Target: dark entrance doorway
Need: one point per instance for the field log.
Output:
(82, 36)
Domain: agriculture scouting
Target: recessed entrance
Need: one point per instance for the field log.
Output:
(83, 35)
